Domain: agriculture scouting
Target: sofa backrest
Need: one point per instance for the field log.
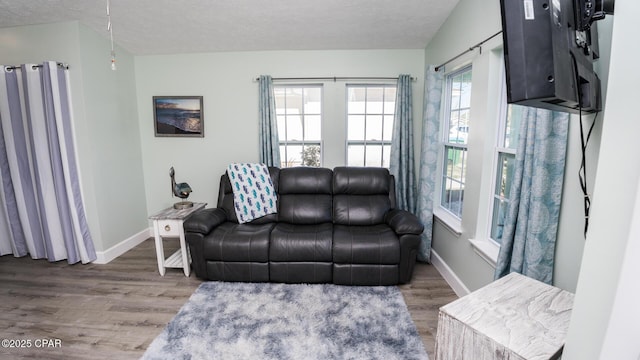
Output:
(225, 197)
(362, 195)
(305, 195)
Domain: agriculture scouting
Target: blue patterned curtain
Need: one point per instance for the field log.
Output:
(41, 207)
(269, 144)
(433, 84)
(401, 164)
(531, 223)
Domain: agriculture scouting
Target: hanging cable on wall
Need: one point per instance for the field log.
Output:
(582, 172)
(110, 30)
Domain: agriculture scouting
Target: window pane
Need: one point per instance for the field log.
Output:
(283, 156)
(497, 222)
(389, 100)
(455, 92)
(465, 90)
(311, 155)
(373, 155)
(355, 127)
(312, 128)
(512, 127)
(375, 100)
(313, 100)
(355, 155)
(282, 127)
(387, 132)
(294, 155)
(294, 128)
(386, 155)
(453, 179)
(374, 127)
(294, 102)
(504, 179)
(356, 100)
(506, 167)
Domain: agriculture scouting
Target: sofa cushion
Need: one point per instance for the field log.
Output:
(365, 274)
(238, 242)
(305, 195)
(290, 242)
(309, 272)
(362, 196)
(361, 180)
(376, 244)
(237, 271)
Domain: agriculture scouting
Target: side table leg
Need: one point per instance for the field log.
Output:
(186, 263)
(159, 248)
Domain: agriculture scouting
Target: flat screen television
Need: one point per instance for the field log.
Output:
(549, 50)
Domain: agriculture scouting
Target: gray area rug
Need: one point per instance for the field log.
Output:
(283, 321)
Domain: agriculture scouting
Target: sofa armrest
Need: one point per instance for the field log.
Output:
(403, 222)
(203, 221)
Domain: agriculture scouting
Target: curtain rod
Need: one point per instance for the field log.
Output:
(336, 78)
(478, 45)
(14, 67)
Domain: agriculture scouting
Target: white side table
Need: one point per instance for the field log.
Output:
(513, 318)
(169, 223)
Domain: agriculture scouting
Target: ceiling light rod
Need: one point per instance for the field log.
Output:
(110, 30)
(336, 78)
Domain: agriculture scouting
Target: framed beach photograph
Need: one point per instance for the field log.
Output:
(178, 116)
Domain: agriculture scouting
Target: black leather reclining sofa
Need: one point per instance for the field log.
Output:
(337, 226)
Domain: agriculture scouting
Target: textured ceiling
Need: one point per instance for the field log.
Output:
(187, 26)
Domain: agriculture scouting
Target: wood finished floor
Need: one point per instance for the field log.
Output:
(114, 311)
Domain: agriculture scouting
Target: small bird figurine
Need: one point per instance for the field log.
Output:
(181, 190)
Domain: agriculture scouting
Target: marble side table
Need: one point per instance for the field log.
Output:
(169, 223)
(513, 318)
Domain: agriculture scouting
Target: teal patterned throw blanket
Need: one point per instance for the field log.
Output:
(253, 192)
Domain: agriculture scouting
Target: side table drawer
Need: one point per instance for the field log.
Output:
(169, 227)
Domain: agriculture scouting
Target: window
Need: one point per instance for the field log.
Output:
(370, 113)
(506, 156)
(456, 125)
(299, 116)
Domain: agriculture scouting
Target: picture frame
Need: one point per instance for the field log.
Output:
(178, 116)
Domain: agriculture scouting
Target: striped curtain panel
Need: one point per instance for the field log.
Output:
(41, 211)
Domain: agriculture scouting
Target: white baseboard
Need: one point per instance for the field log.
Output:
(104, 257)
(448, 275)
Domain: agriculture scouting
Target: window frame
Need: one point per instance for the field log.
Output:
(382, 143)
(283, 142)
(447, 217)
(484, 245)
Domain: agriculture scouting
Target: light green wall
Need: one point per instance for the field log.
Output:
(104, 111)
(471, 22)
(113, 139)
(227, 82)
